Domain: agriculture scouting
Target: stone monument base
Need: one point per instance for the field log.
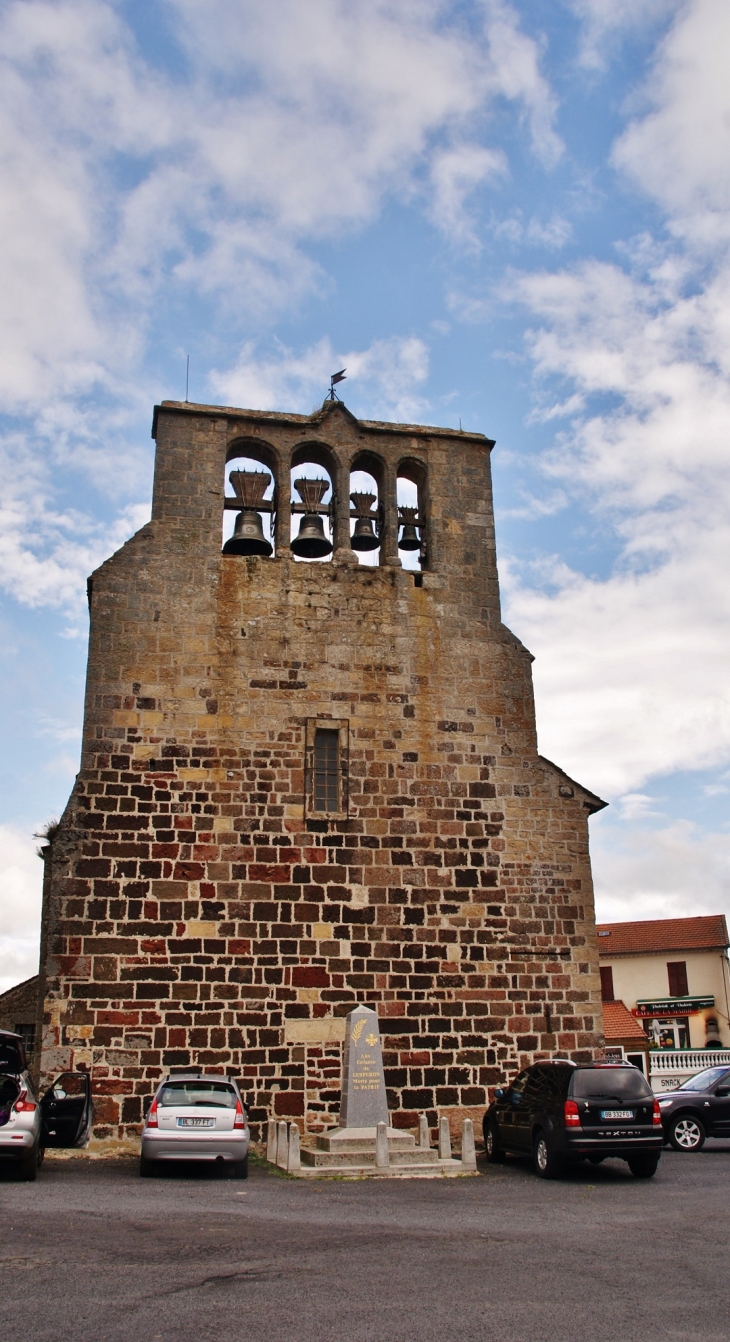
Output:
(381, 1152)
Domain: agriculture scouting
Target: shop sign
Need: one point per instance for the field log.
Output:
(673, 1006)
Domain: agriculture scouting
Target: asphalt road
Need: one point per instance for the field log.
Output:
(91, 1251)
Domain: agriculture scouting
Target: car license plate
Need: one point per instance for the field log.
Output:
(196, 1122)
(616, 1115)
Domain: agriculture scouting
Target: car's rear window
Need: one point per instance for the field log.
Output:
(12, 1057)
(618, 1083)
(215, 1094)
(9, 1091)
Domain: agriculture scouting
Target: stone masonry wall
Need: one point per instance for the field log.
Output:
(198, 912)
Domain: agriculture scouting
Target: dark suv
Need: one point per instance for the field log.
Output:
(561, 1113)
(698, 1109)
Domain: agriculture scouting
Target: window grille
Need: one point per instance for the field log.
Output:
(326, 770)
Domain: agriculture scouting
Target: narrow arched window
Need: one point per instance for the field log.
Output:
(249, 508)
(412, 529)
(366, 520)
(312, 508)
(326, 769)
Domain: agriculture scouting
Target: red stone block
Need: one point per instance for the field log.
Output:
(309, 976)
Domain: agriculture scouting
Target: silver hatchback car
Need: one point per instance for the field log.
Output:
(63, 1117)
(196, 1117)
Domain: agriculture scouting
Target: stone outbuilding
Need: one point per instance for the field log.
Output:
(308, 784)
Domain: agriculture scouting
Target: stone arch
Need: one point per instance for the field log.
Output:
(370, 464)
(314, 452)
(252, 452)
(414, 472)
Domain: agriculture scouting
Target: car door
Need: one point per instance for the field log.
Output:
(719, 1111)
(531, 1105)
(508, 1117)
(66, 1109)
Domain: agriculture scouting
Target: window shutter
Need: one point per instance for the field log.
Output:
(677, 972)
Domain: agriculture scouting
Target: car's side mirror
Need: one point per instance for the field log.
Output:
(499, 1093)
(722, 1092)
(147, 1101)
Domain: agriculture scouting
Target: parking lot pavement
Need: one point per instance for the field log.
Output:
(91, 1251)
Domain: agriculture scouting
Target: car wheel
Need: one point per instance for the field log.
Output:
(28, 1167)
(686, 1133)
(240, 1169)
(547, 1164)
(146, 1167)
(643, 1167)
(492, 1149)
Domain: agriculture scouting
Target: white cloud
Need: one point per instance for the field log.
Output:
(631, 674)
(385, 377)
(21, 888)
(282, 125)
(679, 151)
(455, 172)
(605, 22)
(662, 873)
(291, 123)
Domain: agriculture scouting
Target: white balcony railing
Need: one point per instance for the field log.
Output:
(685, 1060)
(669, 1069)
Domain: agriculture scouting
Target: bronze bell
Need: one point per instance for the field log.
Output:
(248, 536)
(311, 543)
(409, 536)
(364, 537)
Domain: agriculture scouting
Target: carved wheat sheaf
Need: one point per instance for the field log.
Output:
(357, 1030)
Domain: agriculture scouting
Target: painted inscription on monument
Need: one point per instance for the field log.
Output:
(364, 1102)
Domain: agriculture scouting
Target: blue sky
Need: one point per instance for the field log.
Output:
(508, 214)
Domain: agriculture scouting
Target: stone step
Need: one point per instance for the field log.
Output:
(440, 1169)
(365, 1157)
(363, 1139)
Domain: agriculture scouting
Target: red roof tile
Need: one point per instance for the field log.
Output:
(618, 1023)
(663, 934)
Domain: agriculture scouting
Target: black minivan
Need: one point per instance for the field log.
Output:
(560, 1113)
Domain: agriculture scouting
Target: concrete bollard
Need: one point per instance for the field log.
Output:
(282, 1146)
(294, 1161)
(468, 1150)
(271, 1141)
(424, 1138)
(382, 1155)
(444, 1140)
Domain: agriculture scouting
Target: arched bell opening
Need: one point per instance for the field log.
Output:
(312, 504)
(249, 505)
(366, 509)
(412, 521)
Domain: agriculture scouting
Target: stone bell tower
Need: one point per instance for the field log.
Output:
(308, 783)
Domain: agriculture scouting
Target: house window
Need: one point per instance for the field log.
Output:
(677, 972)
(27, 1034)
(607, 984)
(326, 770)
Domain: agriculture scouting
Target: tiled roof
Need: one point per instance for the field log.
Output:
(663, 934)
(618, 1023)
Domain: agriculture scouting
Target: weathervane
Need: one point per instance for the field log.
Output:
(335, 378)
